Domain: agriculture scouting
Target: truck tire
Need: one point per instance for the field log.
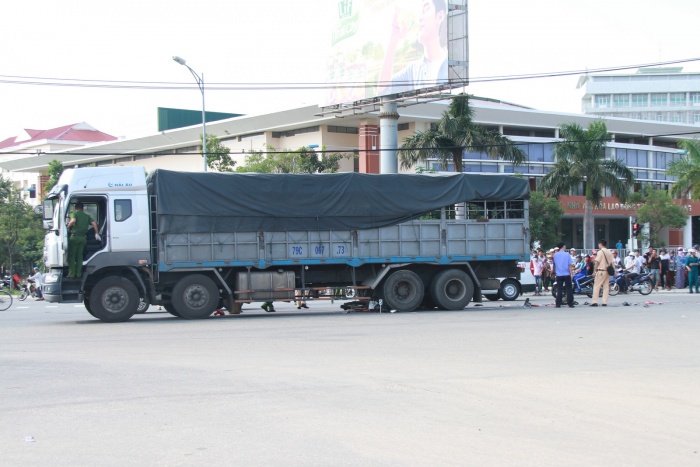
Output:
(510, 290)
(493, 296)
(403, 291)
(452, 289)
(195, 296)
(171, 309)
(114, 299)
(86, 302)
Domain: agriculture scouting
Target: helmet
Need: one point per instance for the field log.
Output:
(36, 268)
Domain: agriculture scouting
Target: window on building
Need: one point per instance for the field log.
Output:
(548, 150)
(402, 126)
(659, 99)
(352, 130)
(515, 132)
(696, 118)
(678, 99)
(695, 98)
(621, 100)
(640, 100)
(297, 131)
(536, 152)
(676, 118)
(602, 101)
(660, 117)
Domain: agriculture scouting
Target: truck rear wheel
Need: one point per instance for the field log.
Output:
(114, 299)
(452, 289)
(195, 297)
(403, 291)
(171, 309)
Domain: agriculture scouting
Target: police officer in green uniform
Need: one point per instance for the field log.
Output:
(78, 226)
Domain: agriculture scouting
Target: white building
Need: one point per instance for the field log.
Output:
(647, 147)
(658, 94)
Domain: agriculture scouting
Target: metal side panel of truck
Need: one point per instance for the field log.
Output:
(441, 256)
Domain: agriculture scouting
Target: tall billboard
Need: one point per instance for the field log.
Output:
(390, 47)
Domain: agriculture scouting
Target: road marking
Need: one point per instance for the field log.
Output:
(51, 306)
(22, 307)
(78, 306)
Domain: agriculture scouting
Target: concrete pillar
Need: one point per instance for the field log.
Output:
(388, 136)
(688, 233)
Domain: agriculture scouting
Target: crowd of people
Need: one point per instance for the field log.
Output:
(668, 269)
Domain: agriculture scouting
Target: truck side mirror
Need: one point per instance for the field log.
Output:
(47, 211)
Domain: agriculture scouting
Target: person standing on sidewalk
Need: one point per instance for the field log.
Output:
(680, 268)
(538, 268)
(692, 263)
(602, 279)
(654, 264)
(564, 270)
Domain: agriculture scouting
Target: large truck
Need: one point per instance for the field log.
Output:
(197, 242)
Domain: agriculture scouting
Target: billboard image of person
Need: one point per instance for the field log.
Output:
(431, 68)
(383, 47)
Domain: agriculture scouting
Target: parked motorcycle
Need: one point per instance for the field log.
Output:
(585, 287)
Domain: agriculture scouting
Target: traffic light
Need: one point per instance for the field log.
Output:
(635, 229)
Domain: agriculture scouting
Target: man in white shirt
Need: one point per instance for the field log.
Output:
(37, 278)
(639, 262)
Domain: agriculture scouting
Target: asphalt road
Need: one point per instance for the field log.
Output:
(499, 384)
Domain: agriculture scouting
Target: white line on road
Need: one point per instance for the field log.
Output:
(51, 306)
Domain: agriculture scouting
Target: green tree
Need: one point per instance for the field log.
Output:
(454, 133)
(20, 228)
(218, 155)
(687, 169)
(580, 161)
(54, 172)
(545, 215)
(302, 160)
(659, 211)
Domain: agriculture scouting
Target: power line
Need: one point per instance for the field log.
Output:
(282, 86)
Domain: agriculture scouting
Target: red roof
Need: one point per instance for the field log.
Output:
(80, 132)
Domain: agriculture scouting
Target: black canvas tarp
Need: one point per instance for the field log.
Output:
(191, 202)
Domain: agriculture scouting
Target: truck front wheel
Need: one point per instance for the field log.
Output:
(114, 299)
(452, 289)
(195, 297)
(403, 291)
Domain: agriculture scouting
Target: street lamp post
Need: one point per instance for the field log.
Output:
(200, 84)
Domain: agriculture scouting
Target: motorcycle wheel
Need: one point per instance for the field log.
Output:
(22, 296)
(645, 287)
(614, 289)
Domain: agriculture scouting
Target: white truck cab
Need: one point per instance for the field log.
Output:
(116, 199)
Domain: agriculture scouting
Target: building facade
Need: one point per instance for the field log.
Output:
(647, 147)
(658, 94)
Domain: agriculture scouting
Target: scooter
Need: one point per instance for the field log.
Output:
(642, 283)
(27, 290)
(585, 287)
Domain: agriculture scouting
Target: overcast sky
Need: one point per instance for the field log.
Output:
(286, 41)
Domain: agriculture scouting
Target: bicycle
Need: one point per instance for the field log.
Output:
(5, 300)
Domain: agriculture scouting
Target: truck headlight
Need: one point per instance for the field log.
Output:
(51, 278)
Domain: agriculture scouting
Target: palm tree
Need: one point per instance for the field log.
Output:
(687, 169)
(580, 160)
(455, 132)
